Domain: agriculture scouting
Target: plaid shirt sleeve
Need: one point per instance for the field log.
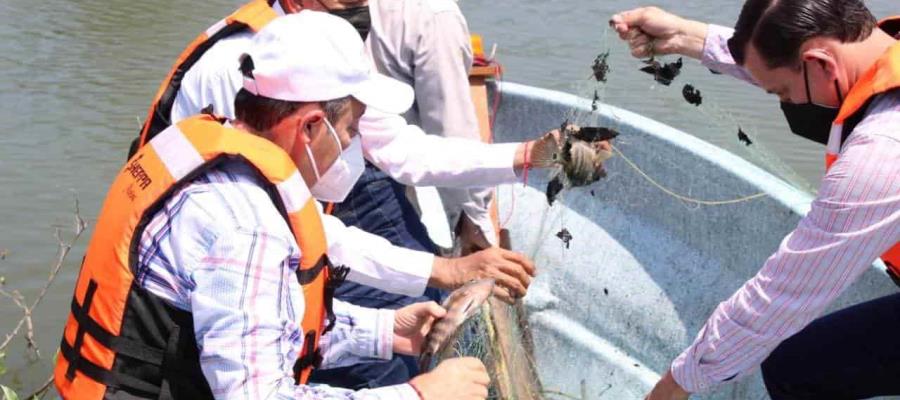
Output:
(246, 303)
(218, 251)
(854, 219)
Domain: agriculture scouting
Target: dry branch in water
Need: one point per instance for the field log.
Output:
(62, 251)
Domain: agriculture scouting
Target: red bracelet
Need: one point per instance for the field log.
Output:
(527, 164)
(418, 392)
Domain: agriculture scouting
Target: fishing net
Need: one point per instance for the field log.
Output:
(610, 306)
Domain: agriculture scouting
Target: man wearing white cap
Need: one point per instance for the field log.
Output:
(208, 74)
(228, 247)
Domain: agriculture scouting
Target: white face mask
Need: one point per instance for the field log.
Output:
(338, 180)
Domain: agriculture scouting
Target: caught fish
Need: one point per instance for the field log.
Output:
(663, 73)
(576, 159)
(565, 236)
(461, 305)
(692, 95)
(600, 67)
(743, 137)
(594, 134)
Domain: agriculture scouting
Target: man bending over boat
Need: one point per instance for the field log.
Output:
(836, 72)
(208, 275)
(208, 75)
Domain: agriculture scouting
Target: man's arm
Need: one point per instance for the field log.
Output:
(246, 303)
(854, 219)
(374, 261)
(359, 334)
(414, 158)
(652, 31)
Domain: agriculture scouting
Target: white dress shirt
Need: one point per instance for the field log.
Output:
(401, 150)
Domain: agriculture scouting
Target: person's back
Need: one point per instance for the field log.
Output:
(209, 268)
(426, 43)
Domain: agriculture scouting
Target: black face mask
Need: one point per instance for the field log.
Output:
(810, 120)
(358, 17)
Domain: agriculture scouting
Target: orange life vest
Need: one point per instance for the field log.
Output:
(253, 15)
(120, 340)
(881, 78)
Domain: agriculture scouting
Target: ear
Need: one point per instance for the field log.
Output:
(312, 124)
(822, 58)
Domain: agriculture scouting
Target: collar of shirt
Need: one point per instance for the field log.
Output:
(278, 10)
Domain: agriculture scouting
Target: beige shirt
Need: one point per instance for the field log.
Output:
(426, 44)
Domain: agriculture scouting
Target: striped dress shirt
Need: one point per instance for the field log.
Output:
(853, 220)
(221, 250)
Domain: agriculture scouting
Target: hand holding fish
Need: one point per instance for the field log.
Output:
(412, 323)
(454, 379)
(652, 31)
(574, 154)
(512, 271)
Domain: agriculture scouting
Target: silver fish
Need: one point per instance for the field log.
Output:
(461, 305)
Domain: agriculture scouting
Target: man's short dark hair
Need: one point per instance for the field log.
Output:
(262, 113)
(777, 28)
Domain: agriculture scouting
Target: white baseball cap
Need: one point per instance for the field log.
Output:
(313, 56)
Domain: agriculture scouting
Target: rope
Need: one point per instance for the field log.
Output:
(683, 197)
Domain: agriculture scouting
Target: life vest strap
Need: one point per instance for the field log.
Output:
(310, 357)
(306, 276)
(165, 359)
(118, 344)
(104, 376)
(336, 277)
(76, 359)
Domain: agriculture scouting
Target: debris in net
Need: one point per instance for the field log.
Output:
(663, 73)
(595, 104)
(565, 236)
(575, 156)
(637, 365)
(743, 137)
(592, 193)
(692, 95)
(593, 134)
(601, 67)
(461, 305)
(553, 188)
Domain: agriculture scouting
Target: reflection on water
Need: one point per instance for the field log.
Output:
(77, 76)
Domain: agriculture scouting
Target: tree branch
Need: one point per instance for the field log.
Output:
(63, 251)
